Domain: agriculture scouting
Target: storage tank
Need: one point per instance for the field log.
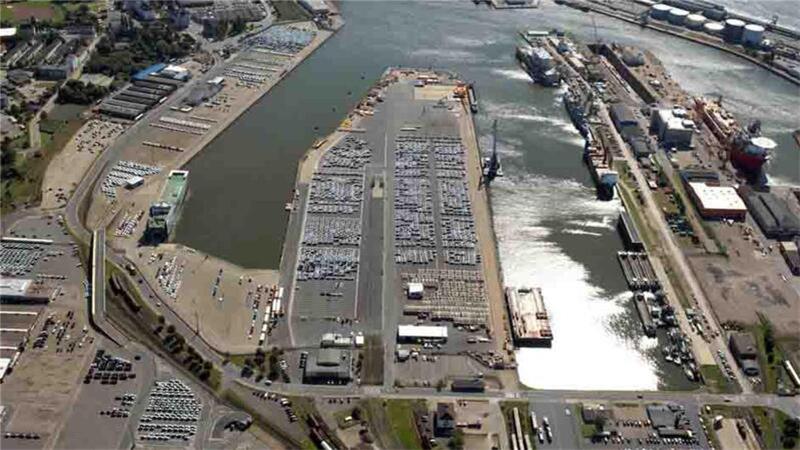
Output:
(733, 30)
(660, 11)
(752, 35)
(695, 21)
(714, 28)
(677, 16)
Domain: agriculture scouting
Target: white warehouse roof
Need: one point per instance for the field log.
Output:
(422, 331)
(718, 198)
(14, 287)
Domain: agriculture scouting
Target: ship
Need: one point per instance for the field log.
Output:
(596, 157)
(491, 164)
(164, 213)
(746, 149)
(575, 103)
(539, 64)
(473, 98)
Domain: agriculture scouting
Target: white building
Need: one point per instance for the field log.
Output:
(672, 127)
(717, 202)
(420, 333)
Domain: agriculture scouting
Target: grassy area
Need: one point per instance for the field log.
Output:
(290, 11)
(715, 380)
(392, 422)
(16, 13)
(767, 423)
(26, 188)
(772, 372)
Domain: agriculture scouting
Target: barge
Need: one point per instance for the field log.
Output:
(530, 323)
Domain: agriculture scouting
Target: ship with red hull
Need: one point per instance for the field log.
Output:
(746, 149)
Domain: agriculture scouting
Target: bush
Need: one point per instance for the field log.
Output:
(74, 91)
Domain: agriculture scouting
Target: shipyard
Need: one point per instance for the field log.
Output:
(505, 224)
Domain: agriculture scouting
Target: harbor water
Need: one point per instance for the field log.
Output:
(553, 233)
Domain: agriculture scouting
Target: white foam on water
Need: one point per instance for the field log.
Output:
(513, 74)
(579, 231)
(586, 353)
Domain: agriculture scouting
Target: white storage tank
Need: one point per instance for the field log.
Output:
(677, 16)
(660, 11)
(714, 28)
(752, 35)
(695, 21)
(734, 28)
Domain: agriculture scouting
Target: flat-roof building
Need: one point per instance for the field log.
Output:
(671, 128)
(745, 350)
(328, 365)
(717, 202)
(772, 214)
(19, 290)
(420, 333)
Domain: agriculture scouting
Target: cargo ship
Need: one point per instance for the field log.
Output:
(746, 148)
(530, 323)
(539, 64)
(164, 213)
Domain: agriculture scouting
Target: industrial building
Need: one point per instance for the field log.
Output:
(771, 213)
(717, 202)
(530, 324)
(790, 253)
(164, 213)
(335, 340)
(672, 127)
(329, 365)
(421, 333)
(444, 419)
(744, 349)
(24, 291)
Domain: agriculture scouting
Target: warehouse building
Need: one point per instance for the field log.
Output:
(329, 365)
(24, 291)
(772, 214)
(717, 202)
(421, 333)
(672, 127)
